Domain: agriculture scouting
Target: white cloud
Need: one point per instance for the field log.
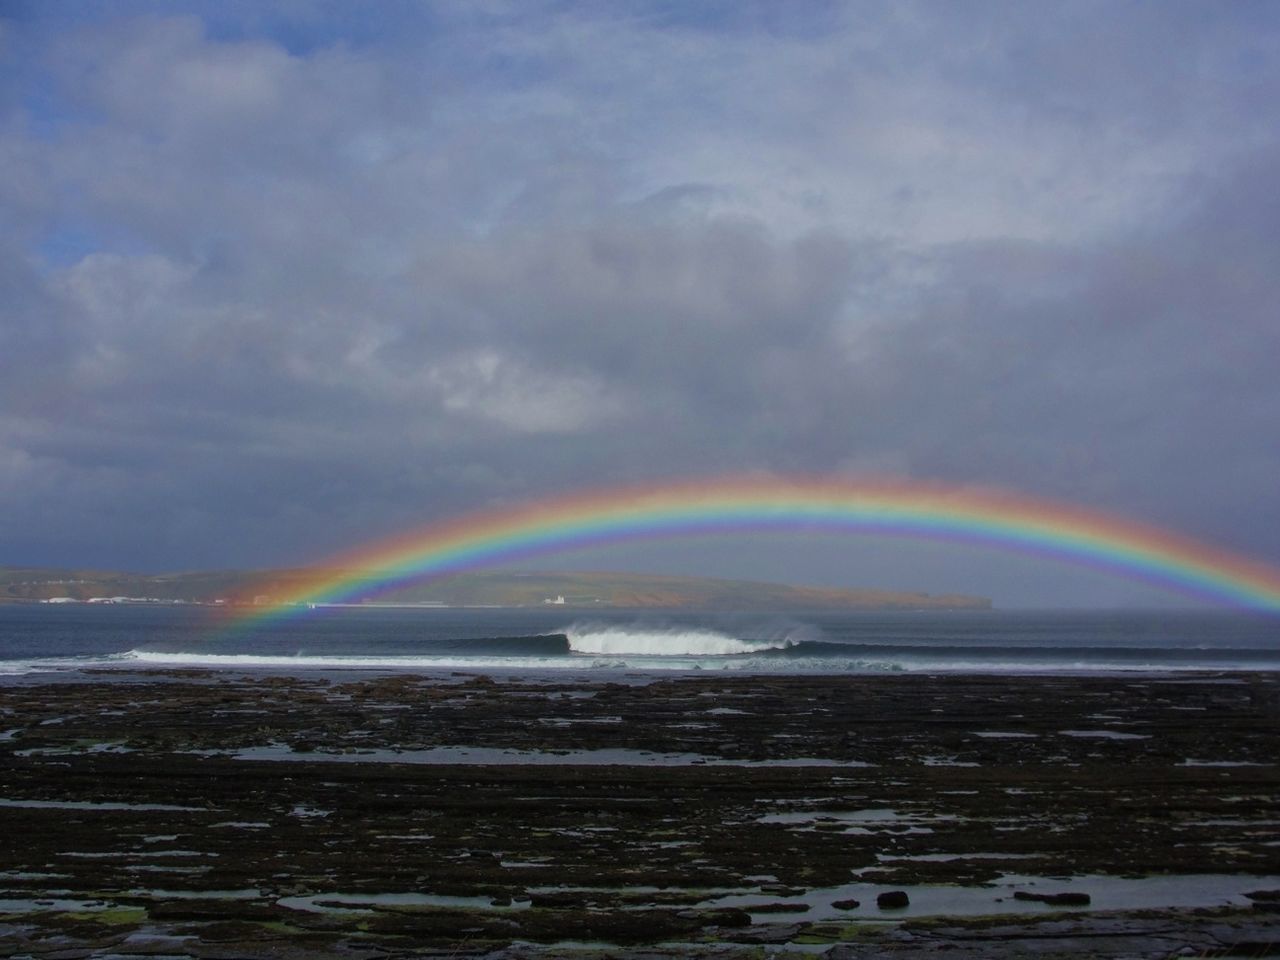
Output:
(522, 399)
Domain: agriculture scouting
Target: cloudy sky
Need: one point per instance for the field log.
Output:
(276, 279)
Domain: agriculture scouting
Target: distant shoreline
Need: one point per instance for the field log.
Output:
(484, 589)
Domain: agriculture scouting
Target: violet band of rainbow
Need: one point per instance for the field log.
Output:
(898, 508)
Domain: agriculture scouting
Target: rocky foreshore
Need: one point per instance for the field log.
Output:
(220, 815)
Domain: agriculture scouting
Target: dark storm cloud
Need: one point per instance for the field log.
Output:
(276, 284)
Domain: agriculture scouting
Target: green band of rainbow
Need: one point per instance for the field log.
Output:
(738, 505)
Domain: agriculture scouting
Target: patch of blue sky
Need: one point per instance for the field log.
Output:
(48, 114)
(298, 26)
(68, 244)
(303, 28)
(68, 241)
(810, 18)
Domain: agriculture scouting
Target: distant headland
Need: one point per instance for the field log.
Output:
(486, 588)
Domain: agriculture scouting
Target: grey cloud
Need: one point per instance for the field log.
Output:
(1135, 373)
(334, 290)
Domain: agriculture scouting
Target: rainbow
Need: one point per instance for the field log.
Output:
(736, 505)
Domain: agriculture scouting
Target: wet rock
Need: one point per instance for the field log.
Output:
(779, 907)
(227, 930)
(724, 917)
(846, 904)
(1068, 899)
(780, 890)
(207, 909)
(559, 901)
(633, 847)
(780, 933)
(893, 900)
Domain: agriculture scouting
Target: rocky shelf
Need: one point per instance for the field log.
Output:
(202, 814)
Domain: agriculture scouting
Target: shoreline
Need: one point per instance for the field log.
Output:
(718, 812)
(569, 670)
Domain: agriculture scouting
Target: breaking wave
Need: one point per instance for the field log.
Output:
(613, 640)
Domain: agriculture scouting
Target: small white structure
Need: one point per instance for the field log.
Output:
(558, 600)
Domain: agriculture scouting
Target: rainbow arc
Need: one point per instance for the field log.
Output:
(737, 505)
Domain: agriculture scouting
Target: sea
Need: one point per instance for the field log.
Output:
(43, 641)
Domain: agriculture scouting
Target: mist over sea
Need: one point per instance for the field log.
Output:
(37, 640)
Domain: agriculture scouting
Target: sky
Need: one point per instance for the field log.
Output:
(280, 279)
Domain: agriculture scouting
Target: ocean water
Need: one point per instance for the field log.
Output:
(37, 640)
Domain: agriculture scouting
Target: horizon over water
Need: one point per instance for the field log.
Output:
(38, 640)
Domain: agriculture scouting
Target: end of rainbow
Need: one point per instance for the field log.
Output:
(740, 505)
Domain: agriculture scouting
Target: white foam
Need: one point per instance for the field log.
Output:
(671, 642)
(19, 668)
(297, 661)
